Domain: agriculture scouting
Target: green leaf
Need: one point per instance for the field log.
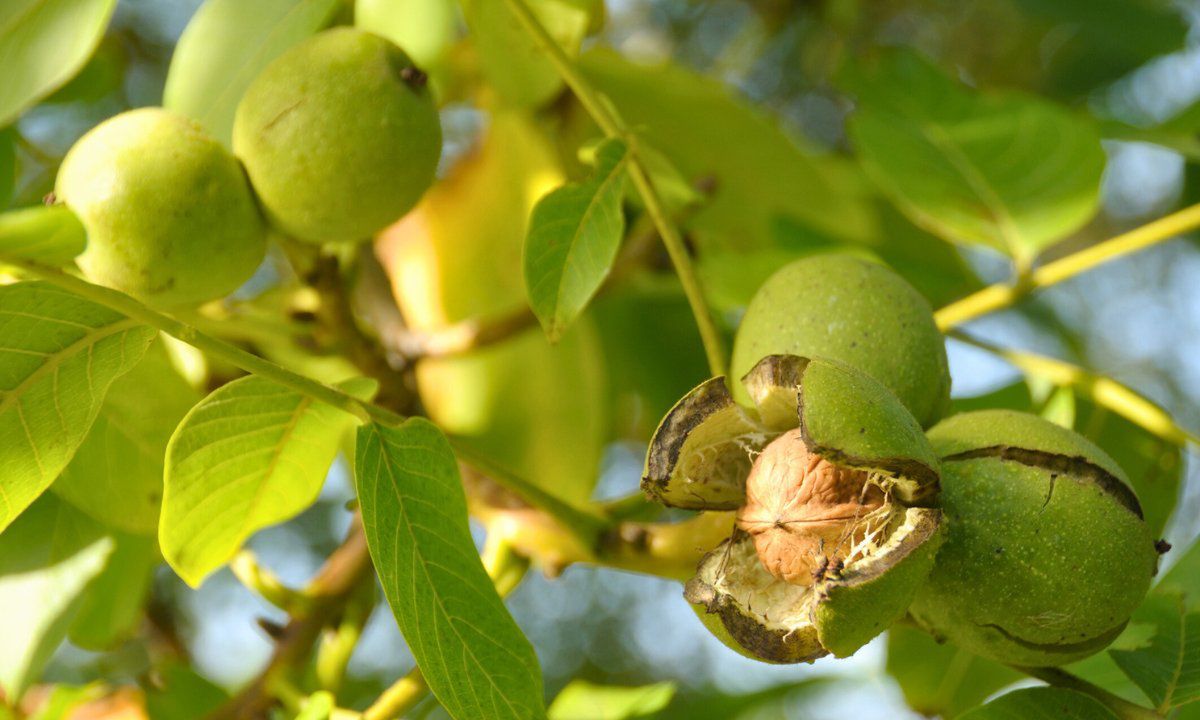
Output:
(251, 454)
(583, 700)
(1042, 703)
(1167, 666)
(58, 355)
(1098, 41)
(116, 475)
(223, 48)
(47, 558)
(510, 59)
(422, 28)
(182, 694)
(45, 234)
(1184, 576)
(112, 607)
(471, 652)
(758, 173)
(43, 43)
(939, 678)
(574, 235)
(8, 165)
(1012, 172)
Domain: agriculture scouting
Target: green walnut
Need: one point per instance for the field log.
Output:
(859, 312)
(1046, 554)
(169, 215)
(339, 135)
(831, 479)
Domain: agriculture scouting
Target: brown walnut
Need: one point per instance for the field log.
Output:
(804, 513)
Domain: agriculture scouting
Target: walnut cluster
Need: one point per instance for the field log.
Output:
(803, 512)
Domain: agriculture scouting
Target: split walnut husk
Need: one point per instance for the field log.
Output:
(832, 480)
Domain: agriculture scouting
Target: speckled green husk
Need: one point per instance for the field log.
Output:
(699, 459)
(1046, 553)
(848, 309)
(168, 212)
(339, 135)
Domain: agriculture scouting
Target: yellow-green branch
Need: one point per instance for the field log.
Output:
(1102, 390)
(1003, 295)
(594, 104)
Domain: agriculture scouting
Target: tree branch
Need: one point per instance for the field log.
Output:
(329, 589)
(1104, 391)
(1003, 295)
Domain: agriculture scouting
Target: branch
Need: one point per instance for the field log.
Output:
(1123, 709)
(1102, 390)
(1003, 295)
(611, 126)
(233, 354)
(329, 590)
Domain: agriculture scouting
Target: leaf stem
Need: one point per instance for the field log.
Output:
(233, 354)
(595, 106)
(1104, 391)
(1123, 709)
(1004, 295)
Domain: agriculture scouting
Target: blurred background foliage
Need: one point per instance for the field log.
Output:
(750, 106)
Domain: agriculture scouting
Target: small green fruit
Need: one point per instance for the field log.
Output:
(829, 475)
(168, 212)
(1046, 554)
(859, 312)
(339, 135)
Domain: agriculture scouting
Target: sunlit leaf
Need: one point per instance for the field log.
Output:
(510, 58)
(47, 558)
(59, 354)
(116, 475)
(251, 454)
(1011, 172)
(46, 234)
(1167, 666)
(940, 679)
(422, 28)
(583, 700)
(770, 702)
(574, 235)
(1042, 703)
(43, 43)
(225, 46)
(469, 649)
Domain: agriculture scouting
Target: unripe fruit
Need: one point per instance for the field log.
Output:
(339, 135)
(168, 212)
(1046, 554)
(828, 473)
(861, 313)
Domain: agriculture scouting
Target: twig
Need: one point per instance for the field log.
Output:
(329, 590)
(1104, 391)
(1003, 295)
(611, 126)
(233, 354)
